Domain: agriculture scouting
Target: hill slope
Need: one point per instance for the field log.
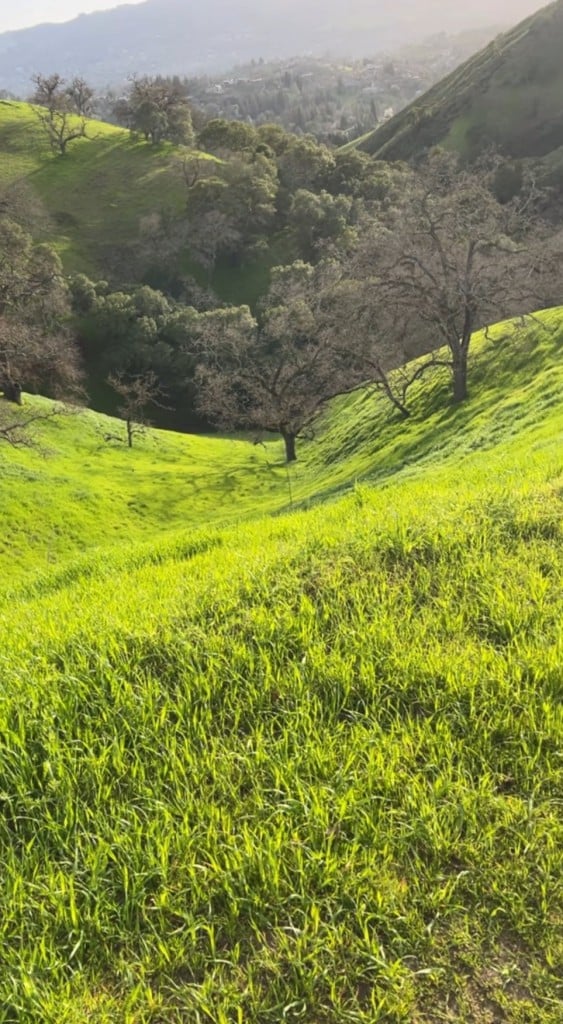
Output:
(509, 95)
(174, 37)
(308, 768)
(106, 179)
(104, 495)
(91, 204)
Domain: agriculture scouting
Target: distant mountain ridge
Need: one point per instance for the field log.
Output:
(510, 96)
(185, 37)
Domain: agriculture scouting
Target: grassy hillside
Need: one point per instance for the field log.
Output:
(93, 200)
(305, 767)
(93, 494)
(509, 95)
(105, 179)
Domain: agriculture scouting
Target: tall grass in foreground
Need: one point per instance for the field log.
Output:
(313, 774)
(307, 769)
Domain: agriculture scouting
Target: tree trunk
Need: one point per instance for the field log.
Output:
(289, 440)
(12, 392)
(459, 371)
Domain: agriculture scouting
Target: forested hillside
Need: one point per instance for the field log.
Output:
(333, 98)
(172, 37)
(240, 271)
(124, 209)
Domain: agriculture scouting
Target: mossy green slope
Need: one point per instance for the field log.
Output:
(509, 95)
(97, 194)
(308, 767)
(90, 204)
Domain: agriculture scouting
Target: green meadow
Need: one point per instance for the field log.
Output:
(287, 745)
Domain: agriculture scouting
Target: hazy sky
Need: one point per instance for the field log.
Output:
(21, 13)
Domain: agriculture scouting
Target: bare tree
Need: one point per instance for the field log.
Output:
(377, 335)
(35, 360)
(137, 393)
(210, 233)
(453, 260)
(16, 426)
(36, 351)
(56, 112)
(278, 372)
(48, 89)
(81, 96)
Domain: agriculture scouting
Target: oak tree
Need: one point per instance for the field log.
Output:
(453, 260)
(61, 110)
(275, 372)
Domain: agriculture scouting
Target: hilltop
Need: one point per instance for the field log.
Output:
(303, 767)
(172, 37)
(508, 95)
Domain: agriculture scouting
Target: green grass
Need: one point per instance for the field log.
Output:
(303, 767)
(97, 495)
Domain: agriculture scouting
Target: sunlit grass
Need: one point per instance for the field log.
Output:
(304, 767)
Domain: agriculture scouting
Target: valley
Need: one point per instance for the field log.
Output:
(281, 546)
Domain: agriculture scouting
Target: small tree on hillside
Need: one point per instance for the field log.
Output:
(453, 260)
(57, 111)
(81, 96)
(137, 394)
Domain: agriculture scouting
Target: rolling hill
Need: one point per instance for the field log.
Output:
(90, 205)
(508, 95)
(298, 767)
(107, 178)
(175, 37)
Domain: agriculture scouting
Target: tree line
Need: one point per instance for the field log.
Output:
(383, 263)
